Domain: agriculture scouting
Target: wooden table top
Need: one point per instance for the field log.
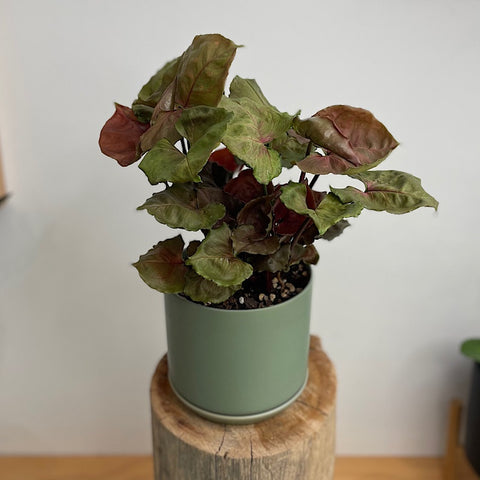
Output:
(141, 468)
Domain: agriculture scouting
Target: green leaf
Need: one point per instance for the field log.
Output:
(353, 138)
(200, 289)
(330, 210)
(152, 92)
(196, 78)
(181, 206)
(216, 261)
(203, 127)
(246, 239)
(203, 69)
(291, 147)
(388, 190)
(250, 132)
(165, 163)
(162, 267)
(247, 88)
(471, 348)
(287, 256)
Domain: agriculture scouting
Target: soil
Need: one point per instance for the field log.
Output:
(265, 289)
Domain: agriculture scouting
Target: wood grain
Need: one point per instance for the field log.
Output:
(141, 468)
(299, 443)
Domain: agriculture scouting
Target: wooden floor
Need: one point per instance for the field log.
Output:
(140, 468)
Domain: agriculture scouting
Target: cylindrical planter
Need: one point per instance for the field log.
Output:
(238, 366)
(472, 437)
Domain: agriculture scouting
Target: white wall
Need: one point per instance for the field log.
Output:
(80, 334)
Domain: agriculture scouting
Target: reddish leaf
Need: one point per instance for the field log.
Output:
(224, 158)
(164, 127)
(352, 137)
(257, 212)
(245, 187)
(120, 136)
(246, 239)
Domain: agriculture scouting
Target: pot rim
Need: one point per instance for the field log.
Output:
(304, 292)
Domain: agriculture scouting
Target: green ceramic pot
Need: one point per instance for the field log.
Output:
(238, 366)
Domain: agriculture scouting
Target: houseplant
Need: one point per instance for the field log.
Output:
(258, 233)
(471, 349)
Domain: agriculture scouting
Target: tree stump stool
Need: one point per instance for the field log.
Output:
(297, 444)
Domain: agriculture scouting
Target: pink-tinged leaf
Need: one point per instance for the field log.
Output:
(353, 139)
(225, 159)
(162, 267)
(249, 134)
(120, 136)
(245, 187)
(164, 127)
(203, 69)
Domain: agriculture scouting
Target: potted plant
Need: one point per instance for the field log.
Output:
(238, 298)
(471, 349)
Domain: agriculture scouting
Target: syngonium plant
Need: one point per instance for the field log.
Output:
(218, 158)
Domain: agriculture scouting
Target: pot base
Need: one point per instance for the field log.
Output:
(239, 419)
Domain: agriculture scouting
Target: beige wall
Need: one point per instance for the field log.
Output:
(394, 296)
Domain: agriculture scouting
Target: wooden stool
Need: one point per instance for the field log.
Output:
(298, 443)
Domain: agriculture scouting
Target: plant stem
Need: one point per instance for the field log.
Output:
(184, 147)
(313, 181)
(309, 148)
(307, 153)
(268, 278)
(302, 229)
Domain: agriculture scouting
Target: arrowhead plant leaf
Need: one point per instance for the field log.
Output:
(246, 239)
(248, 88)
(388, 190)
(196, 78)
(163, 128)
(203, 69)
(120, 136)
(245, 187)
(216, 261)
(291, 147)
(330, 210)
(250, 132)
(200, 289)
(286, 256)
(203, 127)
(152, 92)
(353, 139)
(225, 159)
(162, 267)
(183, 205)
